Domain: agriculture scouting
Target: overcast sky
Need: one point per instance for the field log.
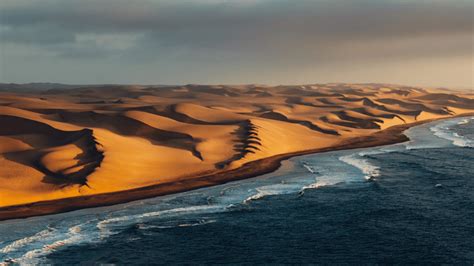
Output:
(413, 42)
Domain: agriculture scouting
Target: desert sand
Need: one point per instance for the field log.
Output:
(63, 149)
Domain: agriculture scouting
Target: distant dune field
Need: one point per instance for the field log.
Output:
(62, 143)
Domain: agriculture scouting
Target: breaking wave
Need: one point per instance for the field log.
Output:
(444, 131)
(369, 170)
(27, 240)
(106, 226)
(271, 190)
(308, 167)
(36, 256)
(174, 224)
(316, 185)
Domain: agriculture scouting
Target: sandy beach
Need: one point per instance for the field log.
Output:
(67, 149)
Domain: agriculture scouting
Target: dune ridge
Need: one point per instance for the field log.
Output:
(64, 157)
(81, 141)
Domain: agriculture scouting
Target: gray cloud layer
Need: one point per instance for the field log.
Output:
(230, 41)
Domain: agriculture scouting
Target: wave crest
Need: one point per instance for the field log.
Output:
(445, 131)
(369, 170)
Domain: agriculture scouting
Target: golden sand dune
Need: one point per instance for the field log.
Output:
(64, 143)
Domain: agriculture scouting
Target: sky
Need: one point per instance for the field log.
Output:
(410, 42)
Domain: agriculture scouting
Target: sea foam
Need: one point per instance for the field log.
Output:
(26, 240)
(37, 256)
(369, 170)
(271, 190)
(104, 225)
(444, 131)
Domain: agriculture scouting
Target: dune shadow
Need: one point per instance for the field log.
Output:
(247, 141)
(42, 137)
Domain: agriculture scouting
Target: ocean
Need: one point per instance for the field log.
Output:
(407, 203)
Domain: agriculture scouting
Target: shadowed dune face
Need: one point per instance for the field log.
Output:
(64, 157)
(126, 126)
(68, 142)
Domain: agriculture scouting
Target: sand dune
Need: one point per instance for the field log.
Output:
(65, 157)
(125, 126)
(308, 124)
(85, 140)
(207, 114)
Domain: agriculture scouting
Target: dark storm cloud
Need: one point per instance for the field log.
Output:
(218, 23)
(261, 31)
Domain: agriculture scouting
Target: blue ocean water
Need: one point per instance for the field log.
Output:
(406, 203)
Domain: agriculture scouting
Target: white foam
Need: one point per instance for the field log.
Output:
(412, 145)
(316, 185)
(201, 222)
(444, 131)
(260, 194)
(369, 170)
(26, 240)
(373, 152)
(36, 256)
(270, 190)
(103, 225)
(308, 167)
(146, 227)
(189, 224)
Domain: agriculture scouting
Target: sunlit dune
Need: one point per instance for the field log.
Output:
(58, 143)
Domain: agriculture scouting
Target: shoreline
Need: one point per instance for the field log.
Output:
(391, 135)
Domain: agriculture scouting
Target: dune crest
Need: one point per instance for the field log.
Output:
(62, 143)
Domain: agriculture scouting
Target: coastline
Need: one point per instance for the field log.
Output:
(255, 168)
